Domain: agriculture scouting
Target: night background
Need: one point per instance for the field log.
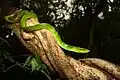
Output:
(92, 24)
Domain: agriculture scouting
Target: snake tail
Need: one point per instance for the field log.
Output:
(25, 15)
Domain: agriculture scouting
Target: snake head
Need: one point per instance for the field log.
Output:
(14, 17)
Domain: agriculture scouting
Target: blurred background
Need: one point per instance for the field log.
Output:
(92, 24)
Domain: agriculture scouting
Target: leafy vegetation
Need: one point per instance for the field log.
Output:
(94, 24)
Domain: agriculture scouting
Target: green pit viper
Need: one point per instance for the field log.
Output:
(24, 15)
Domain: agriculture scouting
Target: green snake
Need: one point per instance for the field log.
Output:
(24, 15)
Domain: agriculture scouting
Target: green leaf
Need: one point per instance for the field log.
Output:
(27, 61)
(34, 64)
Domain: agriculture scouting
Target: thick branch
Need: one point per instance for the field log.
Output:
(43, 43)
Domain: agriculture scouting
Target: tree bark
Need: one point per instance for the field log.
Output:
(44, 43)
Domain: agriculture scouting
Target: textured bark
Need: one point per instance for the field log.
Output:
(43, 43)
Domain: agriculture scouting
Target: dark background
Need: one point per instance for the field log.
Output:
(83, 28)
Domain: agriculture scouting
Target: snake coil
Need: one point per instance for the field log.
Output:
(24, 15)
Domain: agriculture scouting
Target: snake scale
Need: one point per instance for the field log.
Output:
(24, 15)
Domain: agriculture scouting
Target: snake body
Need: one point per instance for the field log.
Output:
(24, 15)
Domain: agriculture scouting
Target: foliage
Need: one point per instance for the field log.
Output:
(86, 23)
(37, 64)
(33, 63)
